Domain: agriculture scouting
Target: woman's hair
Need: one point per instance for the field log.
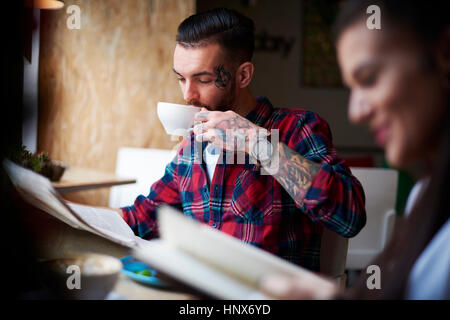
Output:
(427, 20)
(228, 28)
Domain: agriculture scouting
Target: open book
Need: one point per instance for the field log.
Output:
(209, 260)
(39, 192)
(188, 251)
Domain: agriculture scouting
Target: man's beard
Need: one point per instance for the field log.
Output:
(227, 102)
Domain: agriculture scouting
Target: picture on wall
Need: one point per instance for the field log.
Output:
(319, 67)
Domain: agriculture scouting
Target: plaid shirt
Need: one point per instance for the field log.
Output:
(255, 208)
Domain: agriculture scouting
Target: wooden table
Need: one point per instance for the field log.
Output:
(79, 179)
(54, 239)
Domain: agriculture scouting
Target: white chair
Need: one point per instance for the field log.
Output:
(380, 188)
(145, 165)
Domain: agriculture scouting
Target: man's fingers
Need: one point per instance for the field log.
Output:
(204, 126)
(199, 128)
(205, 137)
(206, 115)
(213, 136)
(202, 115)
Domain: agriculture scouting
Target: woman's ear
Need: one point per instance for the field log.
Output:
(245, 74)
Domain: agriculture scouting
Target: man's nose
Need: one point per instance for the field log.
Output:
(190, 92)
(359, 108)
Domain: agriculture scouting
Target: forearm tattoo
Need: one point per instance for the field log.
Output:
(223, 77)
(295, 172)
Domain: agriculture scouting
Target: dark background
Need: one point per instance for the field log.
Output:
(18, 264)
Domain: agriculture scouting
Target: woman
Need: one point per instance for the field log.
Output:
(399, 78)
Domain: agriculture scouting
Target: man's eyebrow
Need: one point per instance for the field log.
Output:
(176, 72)
(203, 73)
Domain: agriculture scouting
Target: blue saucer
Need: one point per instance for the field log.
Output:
(130, 265)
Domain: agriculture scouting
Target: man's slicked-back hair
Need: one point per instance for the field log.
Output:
(228, 28)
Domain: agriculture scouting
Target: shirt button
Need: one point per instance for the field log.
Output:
(214, 225)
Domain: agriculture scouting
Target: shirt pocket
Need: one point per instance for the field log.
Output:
(253, 195)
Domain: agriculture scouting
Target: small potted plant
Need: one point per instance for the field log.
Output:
(40, 163)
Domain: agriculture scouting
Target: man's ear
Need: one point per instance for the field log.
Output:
(443, 56)
(244, 74)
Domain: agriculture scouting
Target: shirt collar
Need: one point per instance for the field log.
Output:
(261, 113)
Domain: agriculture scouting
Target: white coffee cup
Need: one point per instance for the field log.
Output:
(177, 119)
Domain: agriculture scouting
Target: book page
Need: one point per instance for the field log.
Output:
(189, 270)
(38, 191)
(108, 222)
(230, 255)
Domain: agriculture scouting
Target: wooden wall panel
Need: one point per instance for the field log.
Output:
(99, 85)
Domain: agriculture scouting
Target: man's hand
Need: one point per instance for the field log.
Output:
(119, 211)
(227, 130)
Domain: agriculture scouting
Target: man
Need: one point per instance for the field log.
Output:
(283, 212)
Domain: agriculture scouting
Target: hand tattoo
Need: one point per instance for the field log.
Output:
(230, 132)
(236, 122)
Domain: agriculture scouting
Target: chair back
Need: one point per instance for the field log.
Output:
(145, 165)
(380, 188)
(333, 255)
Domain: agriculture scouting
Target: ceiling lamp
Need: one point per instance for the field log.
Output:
(44, 4)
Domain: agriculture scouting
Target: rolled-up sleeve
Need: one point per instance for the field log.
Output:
(335, 198)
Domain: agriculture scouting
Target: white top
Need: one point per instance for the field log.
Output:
(414, 194)
(430, 276)
(211, 155)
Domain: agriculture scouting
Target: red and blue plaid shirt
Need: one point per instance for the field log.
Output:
(255, 208)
